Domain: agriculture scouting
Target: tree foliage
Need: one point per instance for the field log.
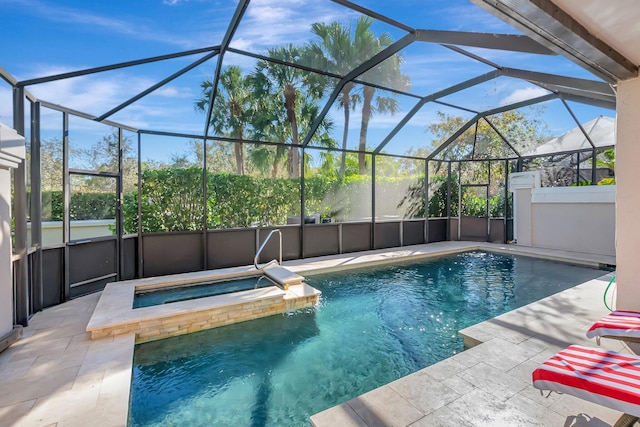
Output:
(234, 108)
(276, 85)
(607, 159)
(339, 53)
(522, 130)
(387, 74)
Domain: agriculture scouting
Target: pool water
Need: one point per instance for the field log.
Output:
(372, 326)
(200, 290)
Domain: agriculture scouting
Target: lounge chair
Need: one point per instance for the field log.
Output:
(604, 377)
(619, 324)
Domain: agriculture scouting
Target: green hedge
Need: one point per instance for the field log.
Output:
(82, 206)
(172, 200)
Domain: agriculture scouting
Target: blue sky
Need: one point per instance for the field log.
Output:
(45, 37)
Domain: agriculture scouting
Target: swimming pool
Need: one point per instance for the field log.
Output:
(372, 326)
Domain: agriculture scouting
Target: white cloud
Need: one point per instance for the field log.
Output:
(174, 92)
(472, 18)
(97, 94)
(269, 23)
(523, 95)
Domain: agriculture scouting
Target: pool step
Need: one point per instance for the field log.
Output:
(282, 276)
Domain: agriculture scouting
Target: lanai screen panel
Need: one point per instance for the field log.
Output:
(552, 64)
(399, 188)
(461, 147)
(490, 144)
(432, 125)
(528, 127)
(94, 146)
(317, 34)
(427, 67)
(172, 193)
(496, 93)
(332, 198)
(438, 189)
(373, 114)
(51, 176)
(129, 162)
(173, 107)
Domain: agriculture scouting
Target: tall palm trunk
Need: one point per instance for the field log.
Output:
(294, 154)
(277, 156)
(239, 133)
(239, 153)
(367, 98)
(346, 90)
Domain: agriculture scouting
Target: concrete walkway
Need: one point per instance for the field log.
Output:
(57, 376)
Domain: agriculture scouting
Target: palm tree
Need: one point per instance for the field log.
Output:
(233, 108)
(386, 74)
(339, 53)
(271, 80)
(272, 124)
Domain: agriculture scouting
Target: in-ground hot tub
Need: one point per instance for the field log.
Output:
(184, 292)
(115, 313)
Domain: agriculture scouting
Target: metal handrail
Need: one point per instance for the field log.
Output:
(255, 259)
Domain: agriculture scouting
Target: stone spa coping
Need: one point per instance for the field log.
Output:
(115, 315)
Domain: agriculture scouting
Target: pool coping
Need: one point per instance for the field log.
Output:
(318, 265)
(103, 376)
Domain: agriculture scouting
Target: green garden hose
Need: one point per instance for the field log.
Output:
(607, 290)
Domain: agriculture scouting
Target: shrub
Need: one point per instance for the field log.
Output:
(82, 206)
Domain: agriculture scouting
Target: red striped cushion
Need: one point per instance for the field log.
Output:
(618, 323)
(605, 377)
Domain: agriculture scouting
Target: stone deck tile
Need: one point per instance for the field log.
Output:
(424, 392)
(341, 415)
(443, 417)
(479, 408)
(385, 407)
(58, 376)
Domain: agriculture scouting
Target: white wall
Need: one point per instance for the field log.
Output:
(628, 197)
(80, 229)
(578, 219)
(521, 184)
(12, 153)
(522, 216)
(6, 282)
